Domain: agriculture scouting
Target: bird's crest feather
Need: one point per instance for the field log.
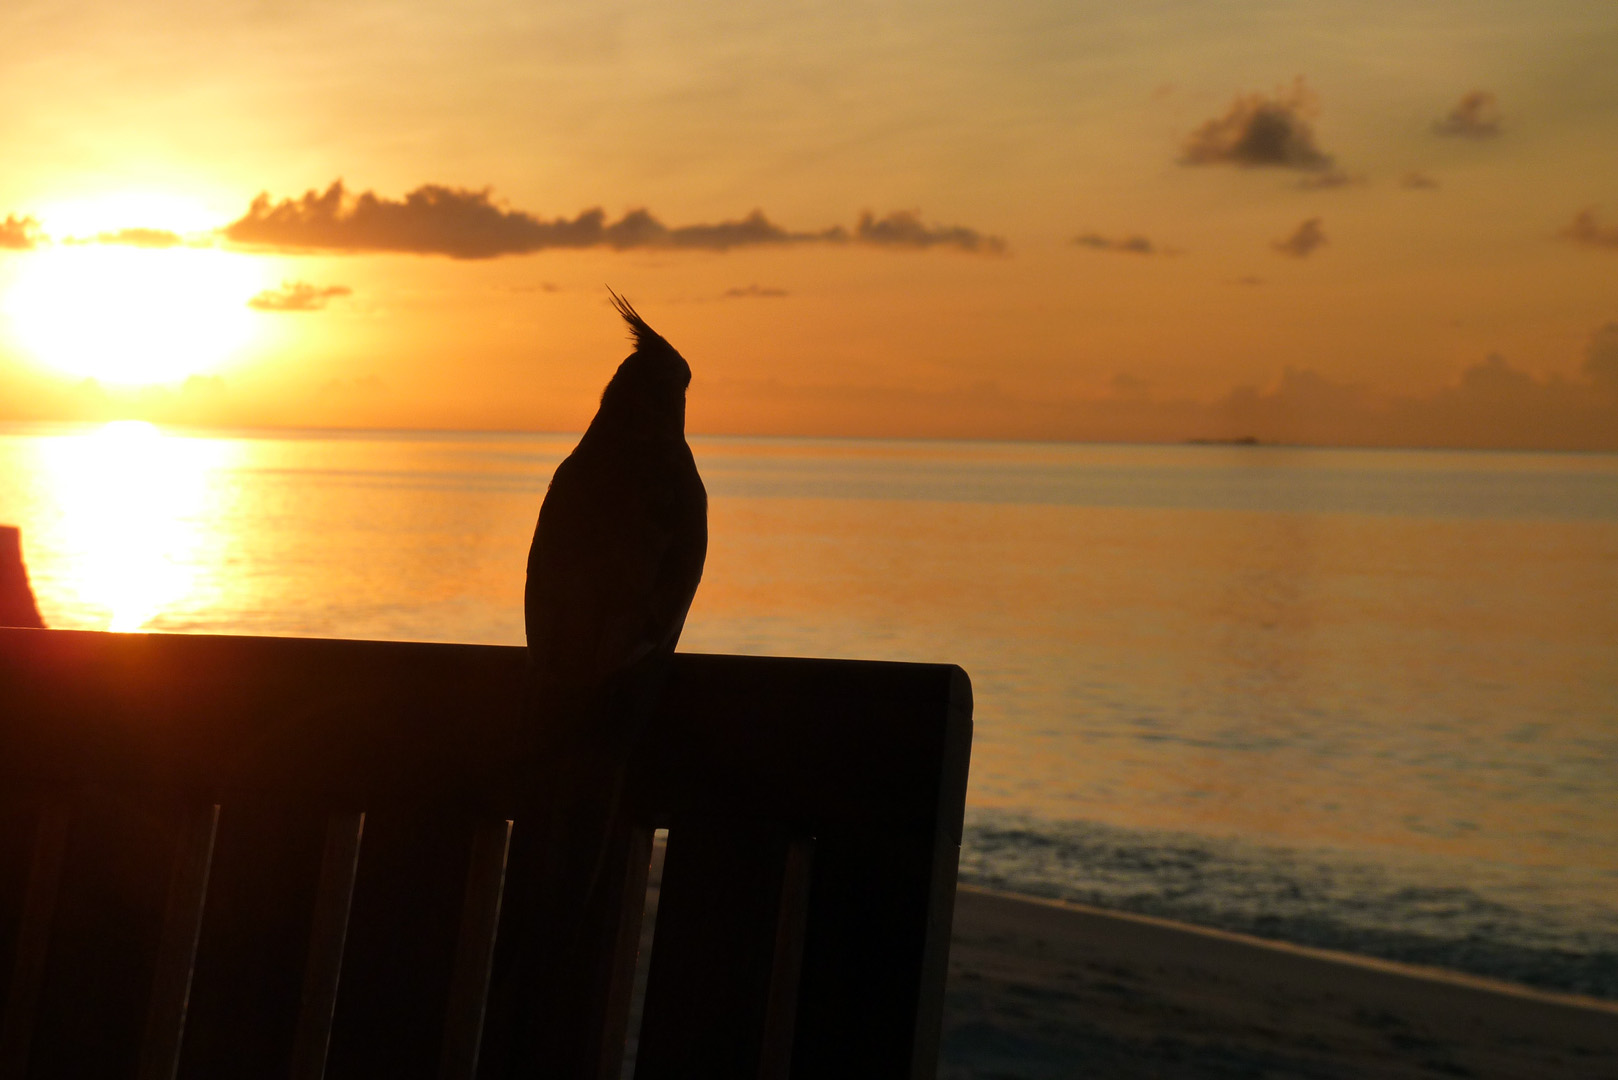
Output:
(643, 335)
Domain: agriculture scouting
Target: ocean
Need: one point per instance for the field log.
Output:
(1364, 699)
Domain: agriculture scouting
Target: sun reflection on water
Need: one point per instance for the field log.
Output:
(132, 517)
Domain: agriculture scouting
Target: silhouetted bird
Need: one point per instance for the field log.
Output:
(616, 558)
(622, 534)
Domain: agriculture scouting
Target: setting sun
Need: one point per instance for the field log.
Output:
(132, 315)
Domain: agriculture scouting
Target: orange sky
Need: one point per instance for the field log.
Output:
(1321, 222)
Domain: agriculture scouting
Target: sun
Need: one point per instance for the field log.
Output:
(124, 314)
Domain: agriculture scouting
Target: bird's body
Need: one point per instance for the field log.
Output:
(617, 554)
(618, 550)
(616, 558)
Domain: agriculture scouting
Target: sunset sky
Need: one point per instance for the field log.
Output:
(1367, 222)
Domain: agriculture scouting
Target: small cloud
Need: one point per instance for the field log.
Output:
(1133, 245)
(1332, 178)
(904, 228)
(141, 238)
(298, 296)
(1260, 130)
(1586, 229)
(18, 233)
(1417, 181)
(1601, 357)
(1304, 240)
(753, 291)
(1475, 116)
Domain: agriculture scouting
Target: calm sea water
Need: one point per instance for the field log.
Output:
(1366, 699)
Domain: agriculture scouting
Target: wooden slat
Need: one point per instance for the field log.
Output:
(474, 952)
(786, 972)
(627, 886)
(865, 1008)
(559, 996)
(256, 935)
(177, 949)
(106, 935)
(339, 867)
(401, 954)
(721, 994)
(41, 885)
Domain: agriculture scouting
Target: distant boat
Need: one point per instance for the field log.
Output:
(1241, 440)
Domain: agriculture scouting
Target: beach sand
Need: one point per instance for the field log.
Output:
(1039, 990)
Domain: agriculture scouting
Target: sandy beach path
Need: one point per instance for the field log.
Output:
(1041, 990)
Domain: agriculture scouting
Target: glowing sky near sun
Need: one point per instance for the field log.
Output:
(1361, 222)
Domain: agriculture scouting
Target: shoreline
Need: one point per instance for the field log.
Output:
(1041, 988)
(1458, 979)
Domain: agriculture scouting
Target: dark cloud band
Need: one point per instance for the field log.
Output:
(466, 224)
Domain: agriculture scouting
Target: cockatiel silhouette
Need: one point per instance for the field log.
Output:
(616, 558)
(622, 534)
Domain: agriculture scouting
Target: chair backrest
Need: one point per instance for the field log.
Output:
(281, 857)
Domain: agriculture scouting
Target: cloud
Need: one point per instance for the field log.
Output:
(1492, 403)
(753, 291)
(466, 224)
(1133, 245)
(298, 296)
(1329, 178)
(1304, 240)
(1417, 181)
(142, 238)
(1601, 357)
(1475, 116)
(639, 229)
(904, 228)
(1488, 404)
(1585, 229)
(18, 233)
(1260, 131)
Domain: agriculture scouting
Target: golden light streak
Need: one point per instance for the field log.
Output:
(131, 518)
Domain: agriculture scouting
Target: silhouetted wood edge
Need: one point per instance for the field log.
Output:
(848, 744)
(17, 604)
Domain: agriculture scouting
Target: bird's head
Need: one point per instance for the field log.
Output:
(646, 396)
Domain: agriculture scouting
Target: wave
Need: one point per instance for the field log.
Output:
(1410, 909)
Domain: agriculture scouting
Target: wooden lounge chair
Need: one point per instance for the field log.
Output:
(283, 857)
